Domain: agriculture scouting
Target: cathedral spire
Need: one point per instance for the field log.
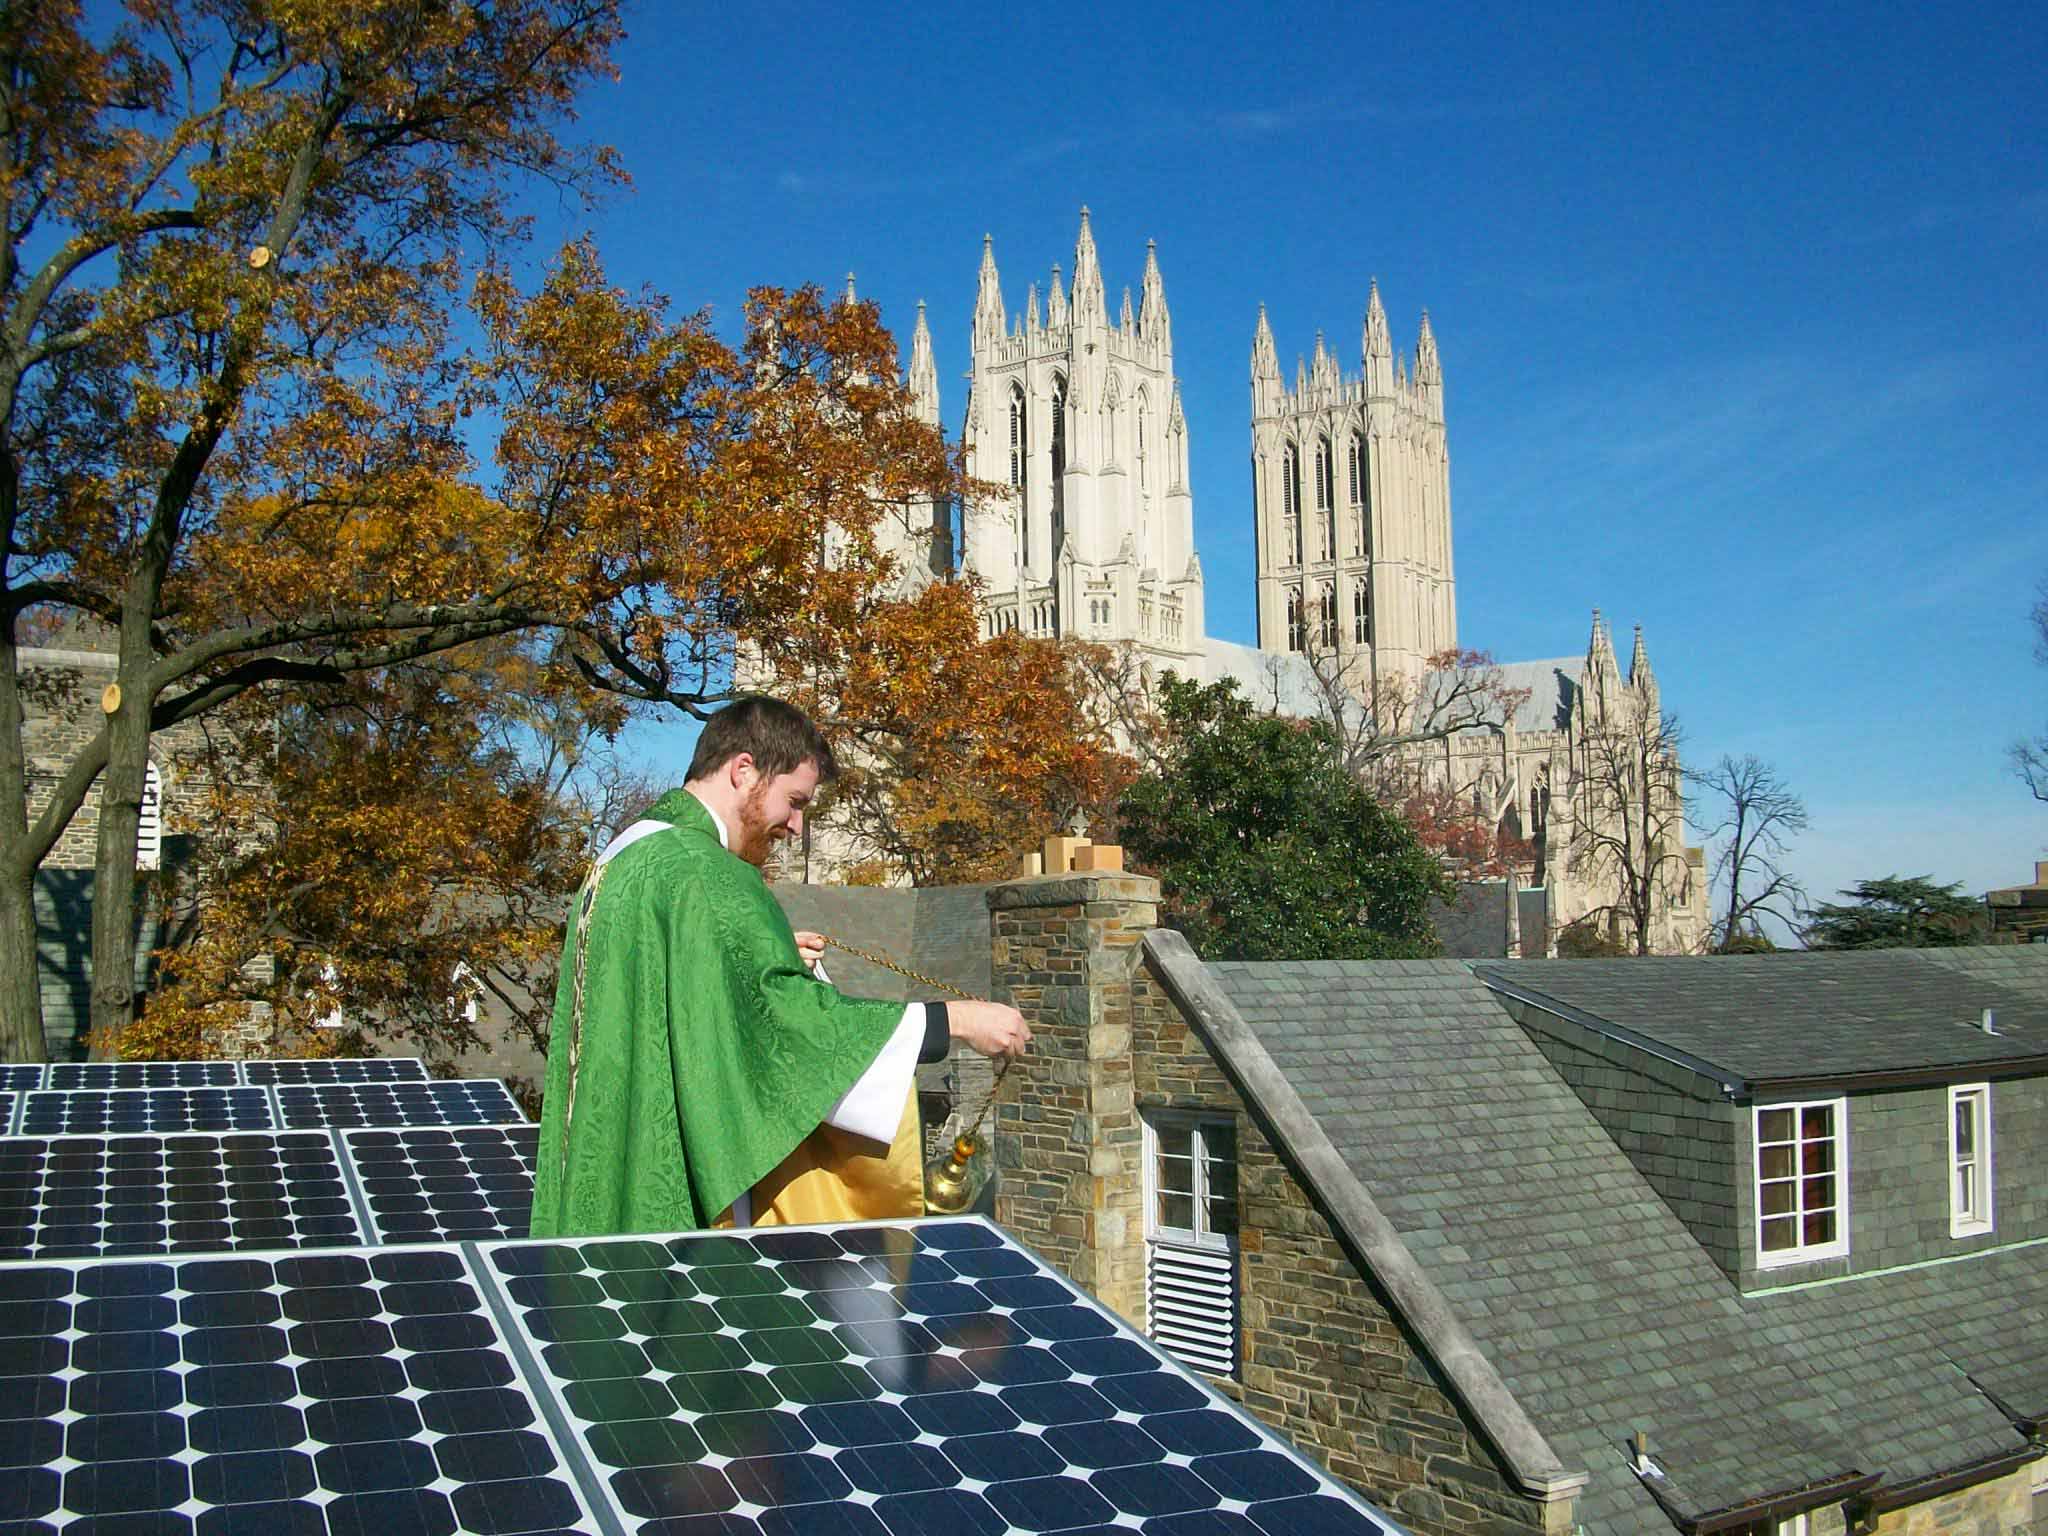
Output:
(1378, 346)
(1429, 371)
(924, 371)
(851, 297)
(1265, 369)
(1031, 310)
(1640, 677)
(1153, 320)
(989, 322)
(1124, 320)
(1056, 299)
(1090, 307)
(1323, 371)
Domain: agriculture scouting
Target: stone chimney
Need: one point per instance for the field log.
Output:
(1065, 949)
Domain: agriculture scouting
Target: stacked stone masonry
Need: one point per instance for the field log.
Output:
(1325, 1359)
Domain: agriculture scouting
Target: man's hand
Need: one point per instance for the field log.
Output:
(810, 947)
(994, 1029)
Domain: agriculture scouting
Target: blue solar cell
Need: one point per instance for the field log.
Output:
(276, 1394)
(481, 1102)
(88, 1111)
(142, 1074)
(109, 1196)
(430, 1185)
(20, 1077)
(337, 1069)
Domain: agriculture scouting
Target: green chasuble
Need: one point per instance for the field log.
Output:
(707, 1049)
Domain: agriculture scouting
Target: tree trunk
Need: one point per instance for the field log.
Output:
(21, 999)
(113, 886)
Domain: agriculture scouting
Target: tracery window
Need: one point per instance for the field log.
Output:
(1361, 496)
(1328, 626)
(1361, 615)
(1290, 503)
(1296, 630)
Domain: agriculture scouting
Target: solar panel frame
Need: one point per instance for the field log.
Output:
(158, 1195)
(159, 1110)
(335, 1069)
(344, 1390)
(673, 1361)
(447, 1101)
(143, 1074)
(423, 1184)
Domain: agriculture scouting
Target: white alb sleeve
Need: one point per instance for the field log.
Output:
(873, 1106)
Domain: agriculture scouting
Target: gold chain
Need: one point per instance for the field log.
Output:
(996, 1087)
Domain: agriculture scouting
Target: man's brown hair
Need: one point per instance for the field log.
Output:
(779, 737)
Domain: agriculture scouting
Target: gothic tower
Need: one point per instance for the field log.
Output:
(1079, 417)
(1351, 494)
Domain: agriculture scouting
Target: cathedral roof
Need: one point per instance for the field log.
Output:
(1552, 686)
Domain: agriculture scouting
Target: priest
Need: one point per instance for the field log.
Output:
(701, 1072)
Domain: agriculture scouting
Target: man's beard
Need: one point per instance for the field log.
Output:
(754, 841)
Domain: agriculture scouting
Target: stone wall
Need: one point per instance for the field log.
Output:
(1325, 1361)
(1670, 1121)
(2001, 1507)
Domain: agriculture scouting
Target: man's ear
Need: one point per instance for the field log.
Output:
(740, 772)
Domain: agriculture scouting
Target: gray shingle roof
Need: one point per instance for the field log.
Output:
(1552, 686)
(1592, 1300)
(1815, 1014)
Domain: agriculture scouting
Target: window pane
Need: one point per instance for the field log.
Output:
(1777, 1197)
(1966, 1181)
(1177, 1211)
(1819, 1194)
(1817, 1120)
(1817, 1157)
(1820, 1228)
(1966, 1126)
(1780, 1234)
(1776, 1162)
(1774, 1125)
(1177, 1174)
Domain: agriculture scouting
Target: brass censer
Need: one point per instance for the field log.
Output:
(950, 1181)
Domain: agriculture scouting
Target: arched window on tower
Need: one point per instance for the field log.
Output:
(1361, 496)
(1296, 637)
(1059, 465)
(1327, 628)
(1290, 505)
(1361, 614)
(149, 834)
(1326, 511)
(1018, 442)
(1140, 430)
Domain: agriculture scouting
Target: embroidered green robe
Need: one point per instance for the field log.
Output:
(707, 1049)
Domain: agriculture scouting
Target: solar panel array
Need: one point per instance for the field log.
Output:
(22, 1076)
(342, 1329)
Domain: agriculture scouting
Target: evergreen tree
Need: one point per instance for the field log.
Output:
(1896, 912)
(1267, 849)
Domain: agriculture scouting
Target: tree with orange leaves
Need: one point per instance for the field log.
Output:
(228, 235)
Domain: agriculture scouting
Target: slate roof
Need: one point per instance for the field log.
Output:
(1592, 1300)
(1553, 687)
(1811, 1014)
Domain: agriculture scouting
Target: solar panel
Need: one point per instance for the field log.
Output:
(113, 1195)
(426, 1185)
(7, 1105)
(338, 1069)
(84, 1111)
(315, 1393)
(872, 1379)
(143, 1074)
(482, 1101)
(19, 1077)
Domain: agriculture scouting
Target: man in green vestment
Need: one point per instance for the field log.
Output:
(693, 1048)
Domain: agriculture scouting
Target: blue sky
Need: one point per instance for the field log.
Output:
(1742, 312)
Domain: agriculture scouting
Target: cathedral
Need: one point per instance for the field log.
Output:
(1076, 418)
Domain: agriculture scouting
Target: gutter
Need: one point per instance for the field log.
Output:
(1771, 1507)
(1933, 1486)
(1361, 1227)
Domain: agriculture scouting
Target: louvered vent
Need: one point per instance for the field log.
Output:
(1191, 1305)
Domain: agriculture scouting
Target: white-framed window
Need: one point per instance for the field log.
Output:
(1969, 1159)
(1191, 1218)
(1795, 1526)
(1802, 1181)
